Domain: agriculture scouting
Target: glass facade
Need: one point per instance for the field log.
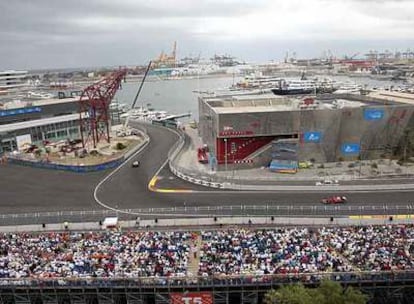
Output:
(53, 132)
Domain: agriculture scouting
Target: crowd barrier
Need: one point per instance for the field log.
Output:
(78, 168)
(73, 168)
(180, 172)
(384, 277)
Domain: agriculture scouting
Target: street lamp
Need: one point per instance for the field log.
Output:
(225, 154)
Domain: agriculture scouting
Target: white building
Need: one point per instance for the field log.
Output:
(11, 81)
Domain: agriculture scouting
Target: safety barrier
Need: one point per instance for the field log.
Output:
(353, 211)
(78, 168)
(73, 168)
(360, 277)
(172, 156)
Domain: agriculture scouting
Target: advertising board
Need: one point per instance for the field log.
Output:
(191, 298)
(23, 141)
(350, 148)
(312, 137)
(373, 114)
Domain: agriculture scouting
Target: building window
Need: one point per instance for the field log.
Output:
(50, 135)
(62, 133)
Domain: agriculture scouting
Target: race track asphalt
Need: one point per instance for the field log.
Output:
(26, 190)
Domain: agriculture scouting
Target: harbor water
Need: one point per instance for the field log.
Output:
(178, 96)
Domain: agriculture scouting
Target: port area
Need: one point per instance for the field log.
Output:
(72, 153)
(187, 163)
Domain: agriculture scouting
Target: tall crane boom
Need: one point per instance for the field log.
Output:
(94, 119)
(138, 92)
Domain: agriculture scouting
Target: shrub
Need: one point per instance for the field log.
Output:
(374, 166)
(120, 146)
(94, 153)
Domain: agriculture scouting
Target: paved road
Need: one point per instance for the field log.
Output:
(24, 189)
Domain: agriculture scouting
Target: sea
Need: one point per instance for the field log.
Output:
(176, 96)
(179, 96)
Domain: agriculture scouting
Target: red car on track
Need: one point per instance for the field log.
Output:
(333, 200)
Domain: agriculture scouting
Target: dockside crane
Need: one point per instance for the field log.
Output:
(138, 93)
(94, 118)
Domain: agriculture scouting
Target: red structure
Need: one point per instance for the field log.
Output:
(94, 108)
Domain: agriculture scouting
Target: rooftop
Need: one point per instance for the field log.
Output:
(37, 122)
(391, 96)
(15, 104)
(272, 103)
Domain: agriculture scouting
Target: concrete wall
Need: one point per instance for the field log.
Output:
(207, 126)
(337, 127)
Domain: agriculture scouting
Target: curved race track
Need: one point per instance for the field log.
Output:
(128, 188)
(27, 190)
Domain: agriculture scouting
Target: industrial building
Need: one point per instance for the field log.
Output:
(253, 131)
(33, 122)
(36, 121)
(12, 81)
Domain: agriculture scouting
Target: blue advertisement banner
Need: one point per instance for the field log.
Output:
(312, 137)
(373, 114)
(350, 148)
(20, 111)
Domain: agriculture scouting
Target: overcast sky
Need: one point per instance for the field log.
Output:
(82, 33)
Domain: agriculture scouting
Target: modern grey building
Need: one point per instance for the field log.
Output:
(327, 128)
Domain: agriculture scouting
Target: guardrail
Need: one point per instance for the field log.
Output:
(227, 210)
(78, 168)
(246, 279)
(74, 168)
(183, 173)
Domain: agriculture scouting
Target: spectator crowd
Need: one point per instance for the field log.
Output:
(133, 254)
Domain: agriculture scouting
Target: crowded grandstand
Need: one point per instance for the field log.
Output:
(219, 253)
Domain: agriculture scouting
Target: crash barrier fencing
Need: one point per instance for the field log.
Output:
(360, 277)
(358, 211)
(184, 173)
(143, 132)
(79, 168)
(74, 168)
(195, 180)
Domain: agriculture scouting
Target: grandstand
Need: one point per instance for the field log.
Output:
(236, 265)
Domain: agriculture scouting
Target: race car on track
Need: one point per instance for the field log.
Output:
(333, 200)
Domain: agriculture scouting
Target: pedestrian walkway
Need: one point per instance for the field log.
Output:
(194, 260)
(251, 178)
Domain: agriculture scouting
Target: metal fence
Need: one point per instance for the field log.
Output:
(247, 279)
(223, 210)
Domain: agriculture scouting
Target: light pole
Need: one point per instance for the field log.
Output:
(225, 154)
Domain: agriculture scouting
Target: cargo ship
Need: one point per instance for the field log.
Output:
(295, 87)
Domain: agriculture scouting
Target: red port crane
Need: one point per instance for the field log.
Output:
(94, 118)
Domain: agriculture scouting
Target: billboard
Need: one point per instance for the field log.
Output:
(20, 111)
(283, 166)
(191, 298)
(23, 141)
(373, 114)
(350, 148)
(312, 137)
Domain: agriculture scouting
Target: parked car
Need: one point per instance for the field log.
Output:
(327, 182)
(135, 164)
(333, 200)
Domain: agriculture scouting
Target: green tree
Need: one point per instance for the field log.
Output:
(331, 292)
(289, 294)
(328, 292)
